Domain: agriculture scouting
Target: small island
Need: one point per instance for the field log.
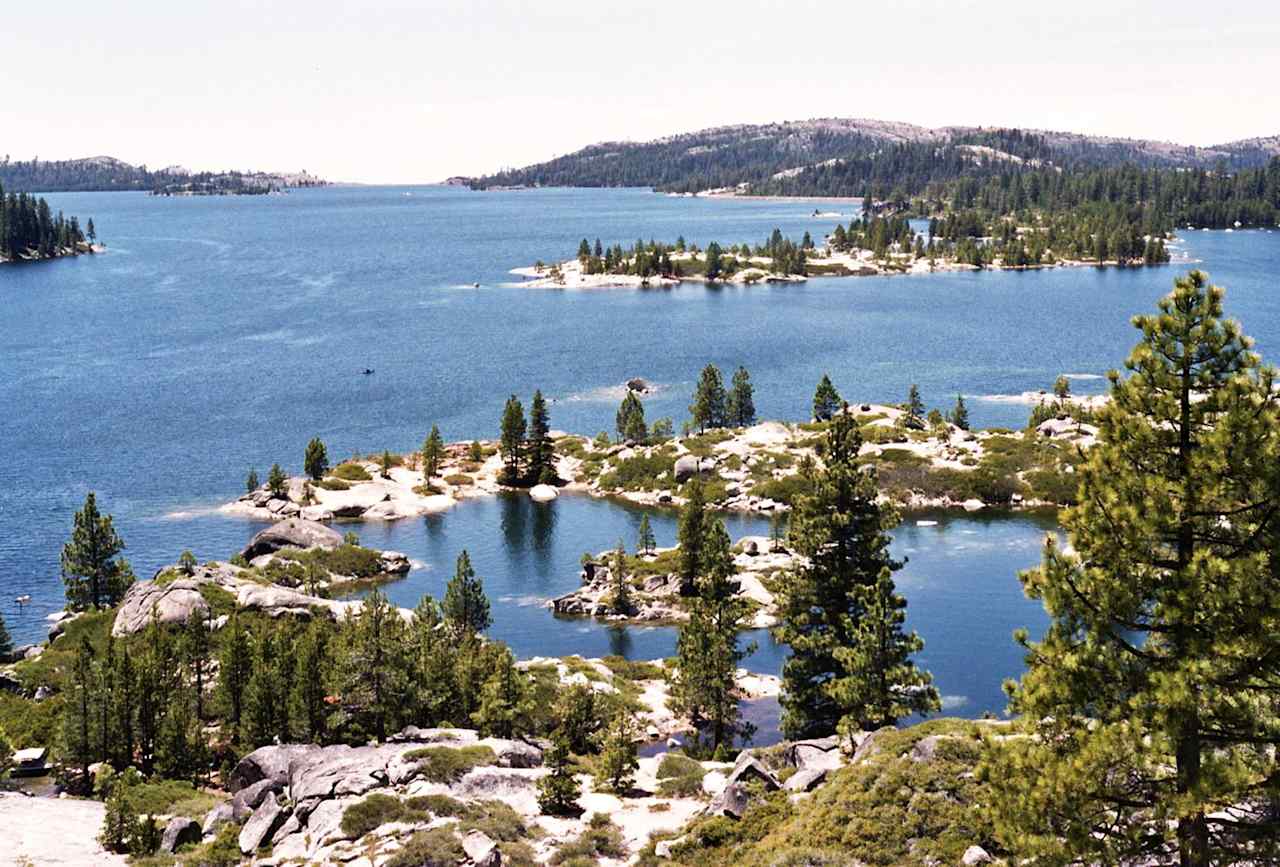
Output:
(30, 231)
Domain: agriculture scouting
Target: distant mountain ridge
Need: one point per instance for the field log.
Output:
(830, 155)
(102, 173)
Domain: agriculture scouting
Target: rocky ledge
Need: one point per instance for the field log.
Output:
(176, 593)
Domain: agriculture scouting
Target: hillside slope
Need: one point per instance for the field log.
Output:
(833, 156)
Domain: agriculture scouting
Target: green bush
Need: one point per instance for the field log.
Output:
(495, 819)
(641, 472)
(459, 479)
(347, 559)
(680, 777)
(433, 846)
(375, 810)
(171, 797)
(600, 839)
(450, 764)
(332, 484)
(783, 490)
(351, 472)
(437, 805)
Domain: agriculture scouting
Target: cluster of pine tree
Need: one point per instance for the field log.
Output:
(28, 228)
(528, 453)
(715, 407)
(654, 259)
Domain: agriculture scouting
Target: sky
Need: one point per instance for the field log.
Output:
(391, 91)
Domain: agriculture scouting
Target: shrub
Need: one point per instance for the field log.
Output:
(375, 810)
(450, 764)
(496, 820)
(459, 479)
(437, 805)
(600, 839)
(433, 846)
(640, 472)
(680, 777)
(332, 484)
(352, 472)
(783, 490)
(171, 797)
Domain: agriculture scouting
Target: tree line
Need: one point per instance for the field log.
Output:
(28, 227)
(656, 259)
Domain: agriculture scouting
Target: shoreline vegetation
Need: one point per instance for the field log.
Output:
(871, 245)
(108, 174)
(30, 231)
(926, 460)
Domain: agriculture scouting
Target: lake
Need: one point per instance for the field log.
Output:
(220, 334)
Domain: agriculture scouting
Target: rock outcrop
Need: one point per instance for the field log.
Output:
(291, 533)
(179, 832)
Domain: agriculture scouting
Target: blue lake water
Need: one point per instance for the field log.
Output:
(222, 333)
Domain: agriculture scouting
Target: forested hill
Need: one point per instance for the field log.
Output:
(109, 173)
(851, 157)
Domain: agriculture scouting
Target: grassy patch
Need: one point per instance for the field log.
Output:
(352, 560)
(172, 797)
(600, 839)
(433, 846)
(703, 445)
(889, 809)
(634, 669)
(680, 777)
(332, 484)
(450, 764)
(460, 480)
(642, 472)
(783, 490)
(376, 810)
(351, 472)
(219, 599)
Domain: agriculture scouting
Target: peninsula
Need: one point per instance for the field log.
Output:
(29, 231)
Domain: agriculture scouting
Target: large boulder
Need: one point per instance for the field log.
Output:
(174, 602)
(819, 753)
(689, 466)
(293, 533)
(805, 780)
(353, 502)
(269, 763)
(975, 855)
(261, 825)
(543, 493)
(217, 817)
(248, 799)
(732, 801)
(179, 832)
(482, 851)
(748, 768)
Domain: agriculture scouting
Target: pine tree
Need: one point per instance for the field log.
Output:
(558, 791)
(1062, 388)
(960, 415)
(690, 531)
(264, 694)
(251, 481)
(316, 460)
(645, 542)
(465, 606)
(432, 454)
(777, 537)
(6, 641)
(374, 670)
(915, 406)
(704, 685)
(157, 678)
(878, 684)
(94, 578)
(123, 700)
(542, 453)
(181, 753)
(195, 646)
(512, 439)
(1151, 697)
(78, 712)
(235, 665)
(506, 701)
(277, 482)
(432, 654)
(577, 715)
(629, 420)
(309, 687)
(621, 602)
(839, 529)
(826, 400)
(709, 400)
(616, 767)
(741, 405)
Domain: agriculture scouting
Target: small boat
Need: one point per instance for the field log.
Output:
(23, 599)
(368, 371)
(475, 285)
(926, 523)
(30, 762)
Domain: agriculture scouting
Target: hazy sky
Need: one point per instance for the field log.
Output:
(398, 91)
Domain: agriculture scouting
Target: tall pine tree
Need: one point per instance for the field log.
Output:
(93, 575)
(1152, 696)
